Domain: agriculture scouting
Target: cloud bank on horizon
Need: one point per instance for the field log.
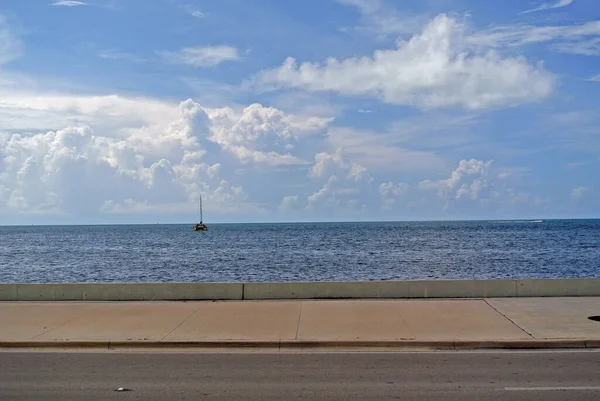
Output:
(339, 110)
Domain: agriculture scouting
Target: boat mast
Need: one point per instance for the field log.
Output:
(200, 209)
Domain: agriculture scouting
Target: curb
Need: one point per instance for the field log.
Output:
(306, 345)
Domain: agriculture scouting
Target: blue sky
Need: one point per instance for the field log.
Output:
(125, 111)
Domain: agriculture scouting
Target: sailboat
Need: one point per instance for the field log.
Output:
(200, 226)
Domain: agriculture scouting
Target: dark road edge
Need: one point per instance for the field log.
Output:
(294, 344)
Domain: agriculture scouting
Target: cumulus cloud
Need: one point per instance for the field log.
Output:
(347, 182)
(477, 188)
(261, 134)
(550, 6)
(289, 203)
(209, 56)
(77, 168)
(436, 68)
(125, 156)
(391, 192)
(389, 189)
(324, 162)
(336, 197)
(466, 182)
(578, 193)
(325, 195)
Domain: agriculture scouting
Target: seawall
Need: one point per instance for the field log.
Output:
(301, 290)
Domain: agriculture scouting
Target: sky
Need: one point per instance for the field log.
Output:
(126, 111)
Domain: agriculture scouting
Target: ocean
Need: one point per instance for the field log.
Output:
(301, 252)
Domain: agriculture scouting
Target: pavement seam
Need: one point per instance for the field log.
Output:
(509, 319)
(182, 322)
(299, 317)
(412, 335)
(61, 325)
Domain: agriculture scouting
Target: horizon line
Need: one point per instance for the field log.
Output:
(305, 222)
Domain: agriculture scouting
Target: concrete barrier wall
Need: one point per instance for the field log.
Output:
(382, 289)
(121, 292)
(462, 289)
(300, 290)
(8, 292)
(319, 290)
(558, 287)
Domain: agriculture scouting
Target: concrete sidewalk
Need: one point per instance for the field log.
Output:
(437, 324)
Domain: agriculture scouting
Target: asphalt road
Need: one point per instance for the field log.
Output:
(461, 376)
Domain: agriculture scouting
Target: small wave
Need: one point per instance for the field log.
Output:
(520, 221)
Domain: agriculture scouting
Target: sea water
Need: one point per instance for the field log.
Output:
(301, 252)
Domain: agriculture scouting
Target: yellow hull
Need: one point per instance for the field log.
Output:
(200, 228)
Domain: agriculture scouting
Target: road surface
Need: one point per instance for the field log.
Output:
(521, 375)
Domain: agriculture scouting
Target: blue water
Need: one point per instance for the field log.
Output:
(301, 252)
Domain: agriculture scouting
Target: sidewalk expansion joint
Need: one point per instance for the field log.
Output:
(509, 319)
(182, 322)
(298, 323)
(63, 324)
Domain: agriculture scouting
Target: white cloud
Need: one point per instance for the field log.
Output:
(384, 21)
(209, 56)
(194, 12)
(578, 38)
(347, 183)
(595, 78)
(10, 44)
(389, 189)
(336, 197)
(325, 195)
(391, 192)
(222, 198)
(585, 47)
(117, 55)
(288, 203)
(112, 155)
(381, 152)
(468, 181)
(359, 173)
(324, 162)
(246, 155)
(117, 115)
(75, 169)
(69, 3)
(578, 193)
(550, 6)
(476, 188)
(261, 134)
(435, 68)
(116, 155)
